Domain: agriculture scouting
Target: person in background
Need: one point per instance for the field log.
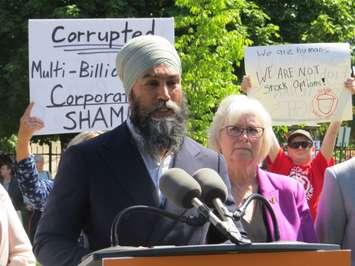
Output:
(241, 130)
(39, 160)
(98, 179)
(15, 247)
(335, 222)
(298, 162)
(10, 183)
(35, 184)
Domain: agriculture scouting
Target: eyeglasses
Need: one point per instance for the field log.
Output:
(251, 132)
(297, 144)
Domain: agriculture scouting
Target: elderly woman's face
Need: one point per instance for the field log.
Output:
(240, 143)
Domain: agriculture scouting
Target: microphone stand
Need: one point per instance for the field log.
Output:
(227, 219)
(190, 220)
(239, 213)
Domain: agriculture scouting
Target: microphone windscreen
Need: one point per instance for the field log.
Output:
(179, 187)
(211, 184)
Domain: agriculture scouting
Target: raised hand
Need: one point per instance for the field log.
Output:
(350, 85)
(246, 84)
(29, 124)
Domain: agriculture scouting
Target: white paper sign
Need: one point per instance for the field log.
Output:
(301, 83)
(72, 72)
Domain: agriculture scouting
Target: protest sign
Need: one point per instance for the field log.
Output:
(72, 73)
(301, 83)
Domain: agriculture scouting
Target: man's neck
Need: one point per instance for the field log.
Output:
(301, 161)
(162, 155)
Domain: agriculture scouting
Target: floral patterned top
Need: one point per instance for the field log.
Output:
(34, 186)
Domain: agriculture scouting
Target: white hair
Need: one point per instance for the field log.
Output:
(85, 135)
(229, 112)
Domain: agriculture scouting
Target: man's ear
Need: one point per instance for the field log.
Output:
(130, 97)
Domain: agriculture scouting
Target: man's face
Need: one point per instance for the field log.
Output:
(158, 84)
(158, 109)
(300, 150)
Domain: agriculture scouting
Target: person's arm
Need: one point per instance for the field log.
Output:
(329, 140)
(331, 218)
(245, 87)
(274, 149)
(19, 246)
(35, 189)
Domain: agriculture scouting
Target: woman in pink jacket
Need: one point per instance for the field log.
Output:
(241, 131)
(15, 247)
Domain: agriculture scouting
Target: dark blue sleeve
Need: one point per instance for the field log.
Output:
(56, 240)
(34, 188)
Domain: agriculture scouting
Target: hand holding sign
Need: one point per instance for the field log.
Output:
(29, 124)
(245, 87)
(246, 84)
(350, 85)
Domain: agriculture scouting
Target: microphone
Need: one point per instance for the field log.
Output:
(214, 193)
(183, 190)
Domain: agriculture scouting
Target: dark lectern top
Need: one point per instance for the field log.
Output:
(95, 258)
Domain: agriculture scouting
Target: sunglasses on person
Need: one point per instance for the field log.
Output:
(297, 144)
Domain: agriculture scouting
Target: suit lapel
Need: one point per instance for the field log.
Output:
(127, 166)
(183, 159)
(272, 196)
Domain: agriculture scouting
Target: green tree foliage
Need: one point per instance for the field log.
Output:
(7, 144)
(211, 41)
(312, 20)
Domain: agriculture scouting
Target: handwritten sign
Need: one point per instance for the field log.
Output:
(301, 83)
(72, 73)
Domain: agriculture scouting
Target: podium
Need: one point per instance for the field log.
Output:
(256, 254)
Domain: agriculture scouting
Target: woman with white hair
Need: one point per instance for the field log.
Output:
(241, 130)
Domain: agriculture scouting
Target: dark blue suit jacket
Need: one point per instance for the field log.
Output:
(98, 179)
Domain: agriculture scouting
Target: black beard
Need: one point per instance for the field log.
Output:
(160, 134)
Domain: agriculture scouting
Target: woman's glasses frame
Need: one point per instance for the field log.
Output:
(252, 133)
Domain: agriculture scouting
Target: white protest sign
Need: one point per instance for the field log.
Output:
(72, 72)
(301, 83)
